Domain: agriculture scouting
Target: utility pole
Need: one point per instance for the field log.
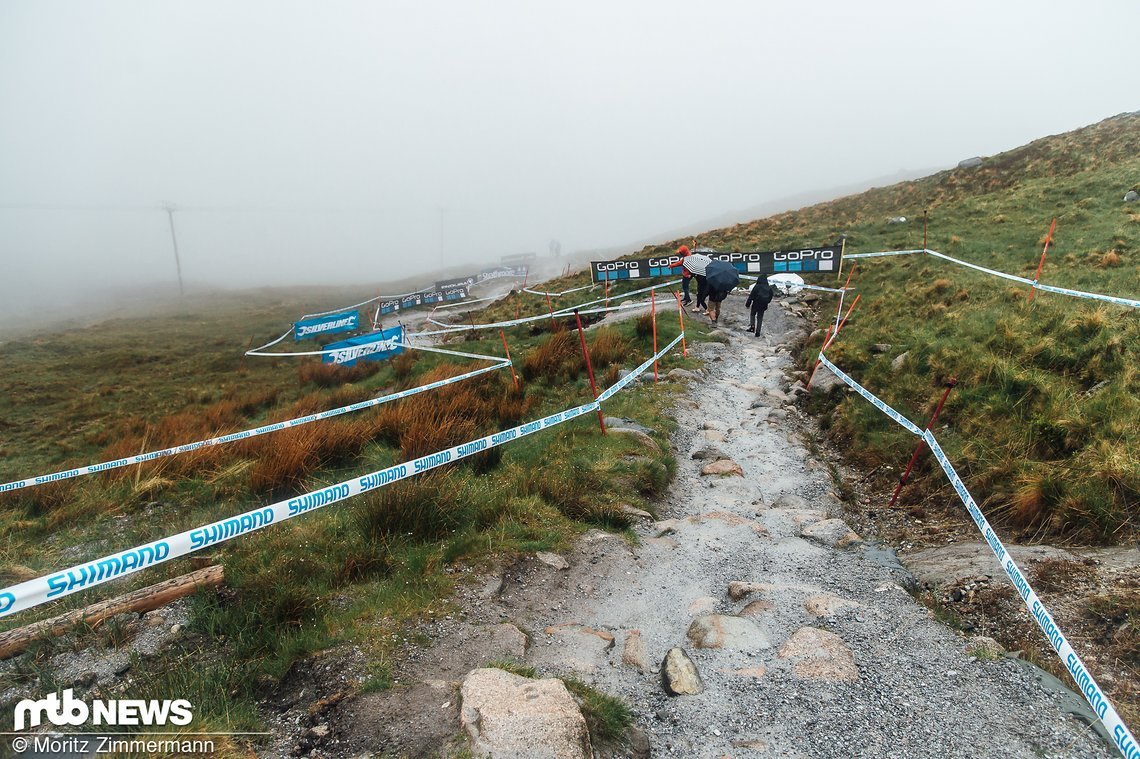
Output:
(170, 208)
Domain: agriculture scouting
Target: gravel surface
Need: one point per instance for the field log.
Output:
(912, 690)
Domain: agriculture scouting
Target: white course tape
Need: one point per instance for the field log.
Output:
(271, 343)
(558, 313)
(556, 295)
(35, 592)
(969, 265)
(907, 424)
(1130, 302)
(1081, 676)
(882, 253)
(265, 429)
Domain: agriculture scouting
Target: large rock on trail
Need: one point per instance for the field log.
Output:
(507, 716)
(679, 675)
(722, 631)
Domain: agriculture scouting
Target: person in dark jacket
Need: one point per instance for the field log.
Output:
(758, 301)
(696, 264)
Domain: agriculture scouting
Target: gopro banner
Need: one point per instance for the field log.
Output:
(373, 347)
(446, 294)
(805, 260)
(327, 325)
(411, 301)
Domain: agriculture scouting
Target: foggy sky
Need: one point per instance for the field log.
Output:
(316, 142)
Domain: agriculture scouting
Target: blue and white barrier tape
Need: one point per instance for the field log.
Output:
(907, 424)
(1081, 675)
(255, 432)
(50, 587)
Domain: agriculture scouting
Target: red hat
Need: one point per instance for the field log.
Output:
(683, 250)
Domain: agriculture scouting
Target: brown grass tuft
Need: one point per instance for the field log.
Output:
(1110, 260)
(333, 375)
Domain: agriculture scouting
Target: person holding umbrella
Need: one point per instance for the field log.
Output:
(721, 278)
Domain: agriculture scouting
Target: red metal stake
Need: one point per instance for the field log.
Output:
(653, 312)
(1037, 276)
(589, 368)
(549, 307)
(508, 352)
(518, 297)
(681, 316)
(819, 360)
(924, 230)
(950, 383)
(607, 290)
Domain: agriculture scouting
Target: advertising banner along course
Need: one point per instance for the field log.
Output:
(370, 347)
(804, 260)
(346, 321)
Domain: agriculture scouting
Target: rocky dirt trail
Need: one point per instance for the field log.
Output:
(796, 638)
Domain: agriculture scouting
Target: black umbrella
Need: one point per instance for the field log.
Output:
(722, 276)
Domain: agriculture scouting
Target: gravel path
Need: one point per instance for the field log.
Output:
(823, 655)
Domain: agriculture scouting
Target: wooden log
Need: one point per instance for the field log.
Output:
(16, 641)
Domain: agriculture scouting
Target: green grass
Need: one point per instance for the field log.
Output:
(1042, 423)
(361, 572)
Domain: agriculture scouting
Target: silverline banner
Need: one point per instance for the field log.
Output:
(803, 260)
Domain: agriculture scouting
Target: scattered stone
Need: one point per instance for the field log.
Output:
(715, 436)
(899, 361)
(507, 641)
(721, 631)
(622, 423)
(726, 467)
(319, 731)
(663, 542)
(702, 605)
(881, 347)
(506, 715)
(756, 608)
(752, 745)
(639, 436)
(679, 675)
(708, 452)
(738, 590)
(630, 511)
(1131, 196)
(634, 653)
(755, 672)
(582, 648)
(833, 533)
(681, 374)
(175, 629)
(638, 739)
(712, 425)
(820, 655)
(984, 648)
(970, 163)
(897, 220)
(553, 560)
(824, 381)
(827, 605)
(808, 297)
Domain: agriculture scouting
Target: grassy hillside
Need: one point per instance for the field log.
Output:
(1043, 423)
(354, 573)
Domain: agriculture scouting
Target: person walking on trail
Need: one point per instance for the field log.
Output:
(686, 276)
(721, 278)
(758, 301)
(695, 264)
